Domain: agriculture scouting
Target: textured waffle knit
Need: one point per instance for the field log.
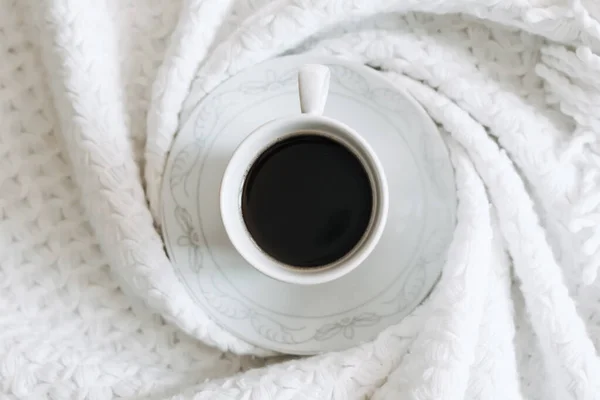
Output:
(91, 95)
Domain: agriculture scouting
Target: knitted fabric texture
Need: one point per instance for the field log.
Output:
(91, 96)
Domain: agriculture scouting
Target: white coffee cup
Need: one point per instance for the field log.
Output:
(313, 84)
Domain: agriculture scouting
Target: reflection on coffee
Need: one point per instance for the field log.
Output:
(307, 201)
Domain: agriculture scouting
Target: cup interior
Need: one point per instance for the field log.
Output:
(304, 199)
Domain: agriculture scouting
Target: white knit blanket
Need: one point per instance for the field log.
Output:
(91, 95)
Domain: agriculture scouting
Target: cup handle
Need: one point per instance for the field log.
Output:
(313, 88)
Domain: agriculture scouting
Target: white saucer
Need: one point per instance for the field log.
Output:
(398, 274)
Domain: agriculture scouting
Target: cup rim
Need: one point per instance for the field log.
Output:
(238, 167)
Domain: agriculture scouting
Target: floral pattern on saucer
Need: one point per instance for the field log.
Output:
(396, 277)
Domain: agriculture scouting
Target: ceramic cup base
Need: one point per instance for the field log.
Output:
(396, 276)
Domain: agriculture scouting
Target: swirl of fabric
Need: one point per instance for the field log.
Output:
(92, 94)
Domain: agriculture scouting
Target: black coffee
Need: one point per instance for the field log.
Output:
(307, 201)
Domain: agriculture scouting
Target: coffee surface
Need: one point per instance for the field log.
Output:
(307, 201)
